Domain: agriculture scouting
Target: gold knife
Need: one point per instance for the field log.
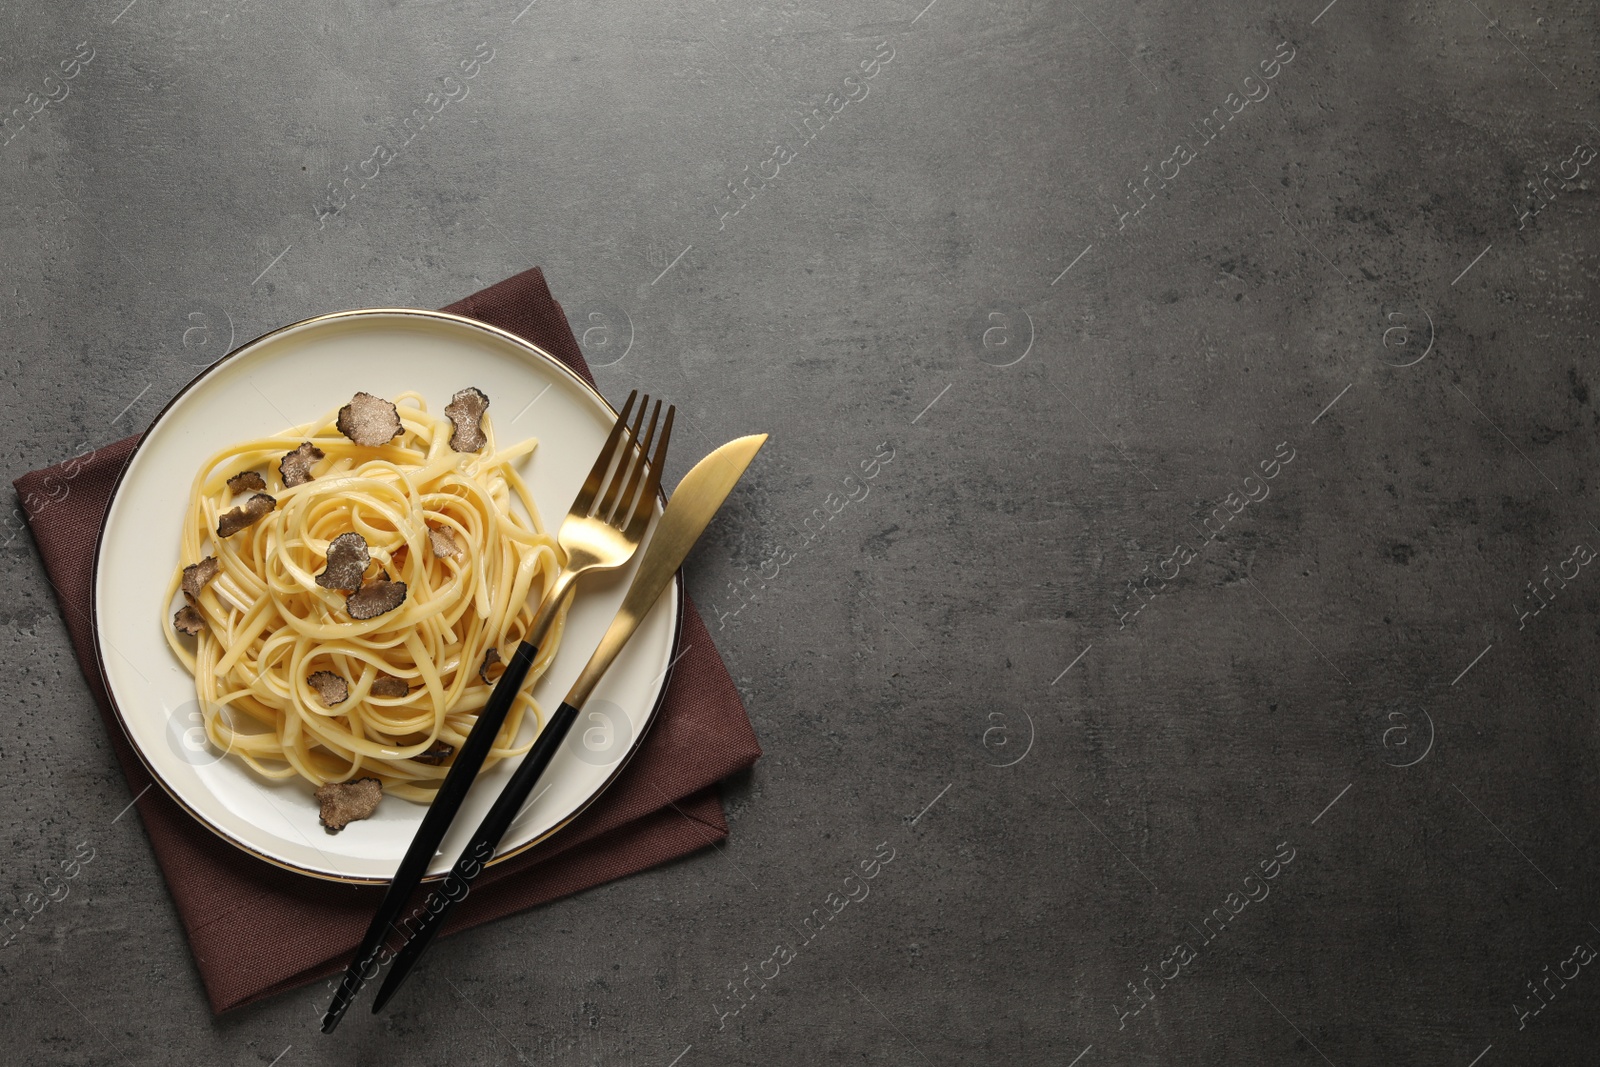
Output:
(688, 513)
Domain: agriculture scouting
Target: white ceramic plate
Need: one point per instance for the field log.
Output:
(288, 377)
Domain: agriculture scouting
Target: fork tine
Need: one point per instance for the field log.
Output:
(584, 502)
(619, 474)
(619, 516)
(644, 507)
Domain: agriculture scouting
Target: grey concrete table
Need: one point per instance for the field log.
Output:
(1213, 650)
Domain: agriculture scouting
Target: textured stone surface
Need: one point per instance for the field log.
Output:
(167, 206)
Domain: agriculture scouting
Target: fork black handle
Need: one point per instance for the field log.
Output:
(479, 850)
(435, 823)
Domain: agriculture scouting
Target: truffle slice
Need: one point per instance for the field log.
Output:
(369, 420)
(252, 512)
(374, 598)
(437, 753)
(196, 575)
(347, 562)
(188, 621)
(387, 685)
(333, 689)
(442, 540)
(466, 410)
(246, 482)
(295, 467)
(491, 668)
(345, 802)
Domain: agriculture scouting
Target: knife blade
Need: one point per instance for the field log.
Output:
(686, 517)
(687, 514)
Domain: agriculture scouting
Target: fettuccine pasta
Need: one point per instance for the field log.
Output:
(272, 645)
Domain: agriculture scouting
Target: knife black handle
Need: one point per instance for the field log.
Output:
(479, 850)
(435, 823)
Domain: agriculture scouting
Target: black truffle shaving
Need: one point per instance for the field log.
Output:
(196, 575)
(253, 511)
(344, 802)
(369, 420)
(188, 621)
(333, 689)
(347, 563)
(442, 540)
(387, 685)
(295, 467)
(437, 753)
(246, 482)
(491, 668)
(374, 598)
(466, 410)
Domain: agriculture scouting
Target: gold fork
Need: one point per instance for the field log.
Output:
(602, 530)
(609, 516)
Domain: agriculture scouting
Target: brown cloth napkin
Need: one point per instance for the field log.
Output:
(256, 929)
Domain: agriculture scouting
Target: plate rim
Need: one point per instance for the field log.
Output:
(94, 595)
